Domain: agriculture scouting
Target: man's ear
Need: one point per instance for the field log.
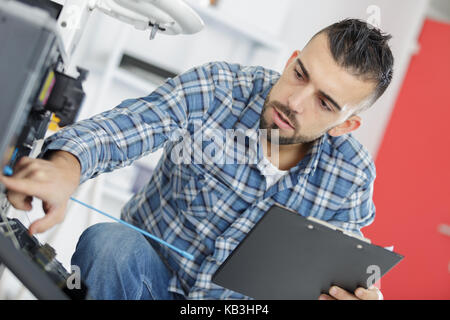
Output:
(349, 125)
(292, 58)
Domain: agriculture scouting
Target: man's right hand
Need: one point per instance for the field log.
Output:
(53, 181)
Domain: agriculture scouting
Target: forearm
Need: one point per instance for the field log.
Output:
(114, 138)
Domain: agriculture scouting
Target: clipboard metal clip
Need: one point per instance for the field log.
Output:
(331, 226)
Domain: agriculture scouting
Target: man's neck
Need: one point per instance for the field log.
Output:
(288, 155)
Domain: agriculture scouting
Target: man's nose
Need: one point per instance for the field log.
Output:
(300, 100)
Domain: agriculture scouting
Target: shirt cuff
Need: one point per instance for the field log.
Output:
(73, 147)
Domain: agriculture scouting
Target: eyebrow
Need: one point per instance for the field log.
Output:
(326, 96)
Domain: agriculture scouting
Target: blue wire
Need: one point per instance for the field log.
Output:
(183, 253)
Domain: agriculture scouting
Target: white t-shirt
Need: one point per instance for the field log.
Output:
(270, 172)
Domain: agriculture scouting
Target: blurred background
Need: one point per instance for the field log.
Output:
(406, 131)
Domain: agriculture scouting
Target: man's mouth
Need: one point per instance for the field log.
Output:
(281, 120)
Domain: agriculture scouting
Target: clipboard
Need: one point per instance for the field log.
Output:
(289, 256)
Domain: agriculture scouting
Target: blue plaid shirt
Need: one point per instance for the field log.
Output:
(207, 208)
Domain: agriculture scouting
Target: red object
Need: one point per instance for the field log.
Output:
(412, 188)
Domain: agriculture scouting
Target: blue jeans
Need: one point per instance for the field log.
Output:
(117, 262)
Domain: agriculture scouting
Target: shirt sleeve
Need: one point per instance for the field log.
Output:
(358, 210)
(136, 127)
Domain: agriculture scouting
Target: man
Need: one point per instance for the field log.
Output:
(204, 207)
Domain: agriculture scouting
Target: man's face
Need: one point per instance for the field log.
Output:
(314, 95)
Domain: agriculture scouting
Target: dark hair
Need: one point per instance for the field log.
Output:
(363, 50)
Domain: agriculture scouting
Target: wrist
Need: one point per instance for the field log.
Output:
(65, 160)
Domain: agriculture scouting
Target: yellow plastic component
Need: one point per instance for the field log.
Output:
(47, 86)
(53, 126)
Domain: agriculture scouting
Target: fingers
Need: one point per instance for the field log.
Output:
(341, 294)
(53, 216)
(18, 200)
(326, 297)
(372, 293)
(336, 293)
(21, 185)
(37, 178)
(23, 162)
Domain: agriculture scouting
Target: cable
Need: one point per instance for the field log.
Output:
(29, 224)
(4, 206)
(183, 253)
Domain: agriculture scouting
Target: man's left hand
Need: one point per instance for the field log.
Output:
(336, 293)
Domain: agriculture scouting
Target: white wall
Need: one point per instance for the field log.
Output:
(268, 15)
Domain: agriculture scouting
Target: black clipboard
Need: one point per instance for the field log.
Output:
(288, 256)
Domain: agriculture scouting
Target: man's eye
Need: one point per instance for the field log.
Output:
(298, 74)
(324, 105)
